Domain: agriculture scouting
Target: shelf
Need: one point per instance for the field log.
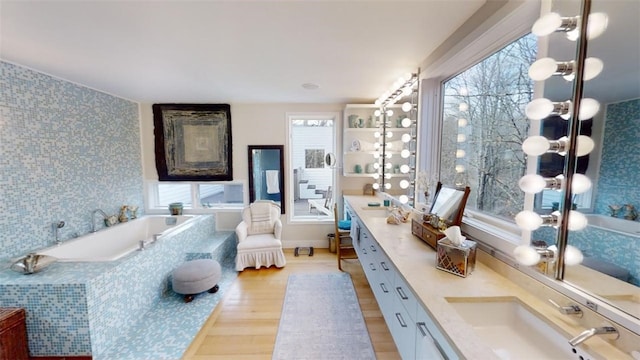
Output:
(360, 175)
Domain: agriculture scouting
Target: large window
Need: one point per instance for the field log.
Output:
(311, 138)
(195, 196)
(483, 128)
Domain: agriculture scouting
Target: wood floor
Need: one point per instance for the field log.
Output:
(245, 323)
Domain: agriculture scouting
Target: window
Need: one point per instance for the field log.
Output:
(311, 180)
(195, 196)
(484, 125)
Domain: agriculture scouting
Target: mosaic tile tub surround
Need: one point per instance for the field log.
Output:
(66, 150)
(81, 308)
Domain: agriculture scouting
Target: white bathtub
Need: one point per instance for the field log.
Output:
(117, 241)
(619, 226)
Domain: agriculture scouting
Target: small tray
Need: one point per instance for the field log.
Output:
(373, 204)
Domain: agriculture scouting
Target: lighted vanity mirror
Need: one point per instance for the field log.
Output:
(449, 203)
(611, 241)
(266, 173)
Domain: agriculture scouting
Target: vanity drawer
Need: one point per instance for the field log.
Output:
(13, 334)
(416, 228)
(405, 296)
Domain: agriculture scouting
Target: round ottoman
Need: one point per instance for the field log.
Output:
(196, 276)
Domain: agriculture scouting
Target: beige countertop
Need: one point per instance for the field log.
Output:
(416, 261)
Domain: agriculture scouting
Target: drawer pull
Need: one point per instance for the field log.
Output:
(373, 248)
(403, 296)
(401, 320)
(373, 267)
(384, 288)
(364, 251)
(383, 264)
(425, 332)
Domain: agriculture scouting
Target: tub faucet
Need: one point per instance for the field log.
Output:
(587, 334)
(93, 218)
(57, 225)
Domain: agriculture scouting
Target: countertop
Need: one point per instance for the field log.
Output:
(416, 262)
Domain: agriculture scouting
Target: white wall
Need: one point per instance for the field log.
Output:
(251, 124)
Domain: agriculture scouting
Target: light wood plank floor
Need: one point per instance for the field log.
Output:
(245, 323)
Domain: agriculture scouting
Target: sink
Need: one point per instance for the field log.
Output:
(515, 331)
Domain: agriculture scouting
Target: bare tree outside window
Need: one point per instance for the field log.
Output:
(484, 125)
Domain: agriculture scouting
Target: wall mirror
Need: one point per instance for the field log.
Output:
(266, 173)
(449, 203)
(611, 240)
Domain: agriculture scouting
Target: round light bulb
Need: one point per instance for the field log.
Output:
(376, 166)
(539, 109)
(376, 145)
(460, 168)
(546, 24)
(592, 68)
(376, 186)
(535, 145)
(377, 113)
(407, 90)
(405, 169)
(378, 102)
(532, 183)
(389, 145)
(388, 166)
(597, 24)
(403, 199)
(526, 255)
(572, 256)
(461, 138)
(388, 155)
(462, 122)
(406, 122)
(387, 186)
(460, 153)
(387, 175)
(577, 221)
(406, 107)
(585, 145)
(580, 184)
(588, 109)
(389, 112)
(376, 155)
(543, 69)
(528, 220)
(463, 107)
(404, 184)
(376, 134)
(405, 138)
(389, 134)
(405, 153)
(376, 176)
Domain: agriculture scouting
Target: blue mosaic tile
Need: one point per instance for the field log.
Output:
(72, 149)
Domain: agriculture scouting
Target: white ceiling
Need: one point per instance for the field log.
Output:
(229, 51)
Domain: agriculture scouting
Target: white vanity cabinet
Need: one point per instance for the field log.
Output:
(415, 333)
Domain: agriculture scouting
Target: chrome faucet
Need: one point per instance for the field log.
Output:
(567, 310)
(57, 225)
(587, 334)
(93, 218)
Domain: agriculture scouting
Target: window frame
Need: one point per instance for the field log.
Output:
(497, 233)
(290, 185)
(152, 205)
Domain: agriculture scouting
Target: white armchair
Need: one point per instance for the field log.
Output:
(259, 236)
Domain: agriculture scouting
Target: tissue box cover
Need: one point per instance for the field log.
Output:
(458, 260)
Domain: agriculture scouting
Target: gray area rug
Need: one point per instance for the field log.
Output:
(321, 319)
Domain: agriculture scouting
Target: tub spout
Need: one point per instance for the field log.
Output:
(57, 225)
(587, 334)
(93, 218)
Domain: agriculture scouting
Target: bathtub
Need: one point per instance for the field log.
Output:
(118, 241)
(616, 225)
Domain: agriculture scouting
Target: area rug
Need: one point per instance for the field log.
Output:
(321, 319)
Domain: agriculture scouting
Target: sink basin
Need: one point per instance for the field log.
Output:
(515, 331)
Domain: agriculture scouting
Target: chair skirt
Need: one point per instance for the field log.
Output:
(260, 250)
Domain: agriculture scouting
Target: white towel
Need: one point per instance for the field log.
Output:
(273, 183)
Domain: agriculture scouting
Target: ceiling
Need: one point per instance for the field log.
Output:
(229, 51)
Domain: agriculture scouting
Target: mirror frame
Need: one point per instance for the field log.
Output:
(252, 191)
(457, 215)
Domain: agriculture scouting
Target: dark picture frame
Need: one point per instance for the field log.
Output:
(193, 142)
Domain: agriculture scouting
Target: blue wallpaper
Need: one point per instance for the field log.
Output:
(65, 150)
(620, 166)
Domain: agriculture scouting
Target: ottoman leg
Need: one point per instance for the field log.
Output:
(188, 298)
(214, 289)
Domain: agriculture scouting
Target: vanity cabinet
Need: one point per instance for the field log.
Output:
(414, 332)
(13, 334)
